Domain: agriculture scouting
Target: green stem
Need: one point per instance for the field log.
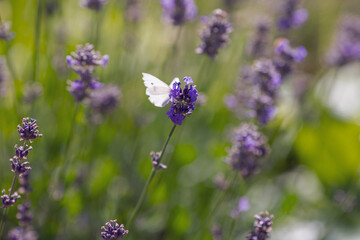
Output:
(232, 228)
(152, 174)
(37, 39)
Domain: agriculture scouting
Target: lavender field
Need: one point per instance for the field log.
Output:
(180, 119)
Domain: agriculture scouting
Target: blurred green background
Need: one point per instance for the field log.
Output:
(310, 181)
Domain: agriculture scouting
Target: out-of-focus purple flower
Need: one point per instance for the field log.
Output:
(23, 151)
(346, 48)
(216, 33)
(291, 16)
(179, 11)
(104, 100)
(32, 91)
(243, 206)
(19, 233)
(29, 130)
(9, 199)
(24, 180)
(216, 232)
(155, 156)
(266, 75)
(24, 214)
(93, 4)
(83, 62)
(133, 10)
(2, 77)
(262, 227)
(85, 59)
(112, 230)
(256, 46)
(221, 183)
(264, 108)
(182, 100)
(249, 146)
(286, 56)
(5, 33)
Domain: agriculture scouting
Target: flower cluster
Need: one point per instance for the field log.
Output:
(112, 230)
(249, 146)
(5, 33)
(155, 157)
(83, 62)
(259, 85)
(9, 199)
(257, 44)
(216, 33)
(93, 4)
(182, 100)
(19, 233)
(347, 45)
(28, 131)
(104, 100)
(286, 56)
(291, 16)
(179, 11)
(242, 206)
(262, 227)
(24, 214)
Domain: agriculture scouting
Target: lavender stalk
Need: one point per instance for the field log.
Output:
(152, 174)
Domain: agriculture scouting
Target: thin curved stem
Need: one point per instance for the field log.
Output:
(11, 191)
(152, 174)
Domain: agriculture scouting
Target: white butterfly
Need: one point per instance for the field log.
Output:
(157, 90)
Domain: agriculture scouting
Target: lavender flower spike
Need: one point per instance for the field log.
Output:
(112, 230)
(19, 233)
(29, 130)
(179, 11)
(290, 16)
(104, 100)
(4, 31)
(257, 45)
(93, 4)
(216, 33)
(249, 146)
(7, 199)
(182, 100)
(262, 227)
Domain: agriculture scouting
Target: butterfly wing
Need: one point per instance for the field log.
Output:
(157, 90)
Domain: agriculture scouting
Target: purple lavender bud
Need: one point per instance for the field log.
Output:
(346, 48)
(287, 56)
(19, 167)
(4, 31)
(179, 11)
(243, 206)
(29, 130)
(248, 147)
(112, 230)
(22, 152)
(290, 16)
(105, 100)
(19, 233)
(266, 75)
(257, 45)
(262, 227)
(93, 4)
(182, 100)
(82, 89)
(155, 160)
(7, 199)
(24, 214)
(216, 33)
